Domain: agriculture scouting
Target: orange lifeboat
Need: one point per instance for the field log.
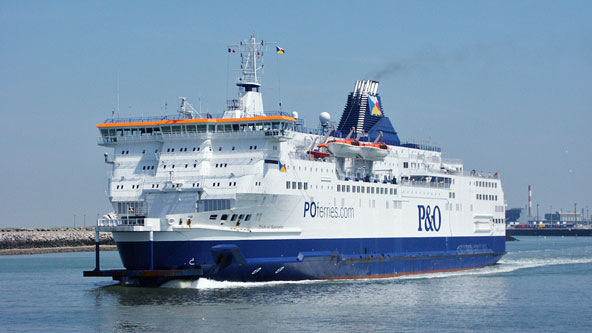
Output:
(374, 151)
(349, 148)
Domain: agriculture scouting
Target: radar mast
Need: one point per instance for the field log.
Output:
(250, 101)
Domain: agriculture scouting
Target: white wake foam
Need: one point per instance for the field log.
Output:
(206, 284)
(503, 266)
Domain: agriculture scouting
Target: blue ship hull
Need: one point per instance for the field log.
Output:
(269, 260)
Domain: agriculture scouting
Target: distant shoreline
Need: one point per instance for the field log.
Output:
(52, 240)
(64, 249)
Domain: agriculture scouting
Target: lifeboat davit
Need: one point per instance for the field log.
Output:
(320, 151)
(374, 151)
(319, 154)
(349, 148)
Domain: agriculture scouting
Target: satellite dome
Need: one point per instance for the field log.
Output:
(295, 114)
(324, 117)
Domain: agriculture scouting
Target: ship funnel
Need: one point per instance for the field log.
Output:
(365, 112)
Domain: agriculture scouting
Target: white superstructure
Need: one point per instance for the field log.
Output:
(252, 176)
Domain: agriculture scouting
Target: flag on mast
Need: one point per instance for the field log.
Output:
(280, 50)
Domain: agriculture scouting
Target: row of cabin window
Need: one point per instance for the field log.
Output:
(120, 187)
(499, 221)
(234, 218)
(490, 197)
(296, 185)
(315, 169)
(366, 189)
(218, 184)
(449, 207)
(126, 152)
(222, 128)
(186, 165)
(486, 184)
(195, 149)
(414, 165)
(130, 131)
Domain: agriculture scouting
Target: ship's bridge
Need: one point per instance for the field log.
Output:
(119, 130)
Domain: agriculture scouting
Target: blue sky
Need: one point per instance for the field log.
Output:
(502, 85)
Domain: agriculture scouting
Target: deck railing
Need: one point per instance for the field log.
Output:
(132, 221)
(424, 184)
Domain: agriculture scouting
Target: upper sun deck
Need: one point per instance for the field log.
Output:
(173, 120)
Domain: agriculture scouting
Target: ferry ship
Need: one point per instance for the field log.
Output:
(250, 195)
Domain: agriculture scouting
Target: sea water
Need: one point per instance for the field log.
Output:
(542, 284)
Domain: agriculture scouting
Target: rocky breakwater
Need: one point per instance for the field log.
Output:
(32, 241)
